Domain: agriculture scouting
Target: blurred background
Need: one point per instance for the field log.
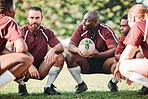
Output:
(63, 16)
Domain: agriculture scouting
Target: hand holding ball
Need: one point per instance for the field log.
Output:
(86, 47)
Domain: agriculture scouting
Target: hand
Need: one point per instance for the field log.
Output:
(50, 56)
(129, 82)
(34, 72)
(94, 54)
(22, 75)
(117, 73)
(79, 52)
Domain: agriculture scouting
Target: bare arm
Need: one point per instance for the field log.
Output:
(6, 51)
(128, 52)
(106, 54)
(117, 57)
(58, 48)
(72, 47)
(20, 46)
(51, 53)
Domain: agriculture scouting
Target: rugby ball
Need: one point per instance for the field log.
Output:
(86, 47)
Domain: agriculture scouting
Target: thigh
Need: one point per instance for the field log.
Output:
(43, 69)
(127, 67)
(108, 63)
(7, 61)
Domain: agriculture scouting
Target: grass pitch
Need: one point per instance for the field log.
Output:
(97, 88)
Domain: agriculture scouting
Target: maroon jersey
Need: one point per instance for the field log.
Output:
(37, 42)
(9, 31)
(136, 37)
(103, 36)
(121, 46)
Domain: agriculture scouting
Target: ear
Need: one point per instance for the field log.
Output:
(41, 17)
(10, 10)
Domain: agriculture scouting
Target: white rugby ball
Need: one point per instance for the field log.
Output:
(86, 47)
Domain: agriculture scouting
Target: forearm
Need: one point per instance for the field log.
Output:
(58, 48)
(128, 53)
(20, 46)
(117, 57)
(6, 51)
(107, 54)
(73, 49)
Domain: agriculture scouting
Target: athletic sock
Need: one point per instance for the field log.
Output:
(115, 80)
(52, 75)
(138, 78)
(75, 72)
(6, 77)
(20, 81)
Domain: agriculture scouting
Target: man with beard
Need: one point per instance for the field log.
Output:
(46, 62)
(101, 60)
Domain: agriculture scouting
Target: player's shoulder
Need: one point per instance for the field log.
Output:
(6, 19)
(105, 27)
(46, 30)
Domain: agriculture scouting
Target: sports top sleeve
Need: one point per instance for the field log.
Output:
(52, 39)
(76, 37)
(120, 46)
(109, 35)
(12, 31)
(134, 36)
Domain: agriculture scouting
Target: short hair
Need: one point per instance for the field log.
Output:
(125, 16)
(35, 8)
(5, 5)
(138, 11)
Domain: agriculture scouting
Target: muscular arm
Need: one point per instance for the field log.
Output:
(20, 46)
(106, 54)
(117, 57)
(72, 47)
(6, 51)
(128, 52)
(58, 48)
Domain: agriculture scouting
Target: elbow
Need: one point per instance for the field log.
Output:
(22, 50)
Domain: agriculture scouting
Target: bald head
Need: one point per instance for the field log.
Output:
(92, 15)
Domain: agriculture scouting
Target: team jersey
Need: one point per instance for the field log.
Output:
(103, 36)
(9, 31)
(136, 37)
(121, 46)
(37, 42)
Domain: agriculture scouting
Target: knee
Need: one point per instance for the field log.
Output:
(27, 59)
(59, 59)
(69, 57)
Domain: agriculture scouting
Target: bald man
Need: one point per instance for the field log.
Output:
(101, 60)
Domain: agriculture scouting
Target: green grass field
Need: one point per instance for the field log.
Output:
(97, 88)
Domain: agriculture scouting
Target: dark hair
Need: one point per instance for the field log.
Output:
(124, 16)
(35, 8)
(5, 5)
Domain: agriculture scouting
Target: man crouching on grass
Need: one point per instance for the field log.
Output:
(46, 62)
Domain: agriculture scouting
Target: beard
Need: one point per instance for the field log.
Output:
(34, 26)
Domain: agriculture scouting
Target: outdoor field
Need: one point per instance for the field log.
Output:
(97, 88)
